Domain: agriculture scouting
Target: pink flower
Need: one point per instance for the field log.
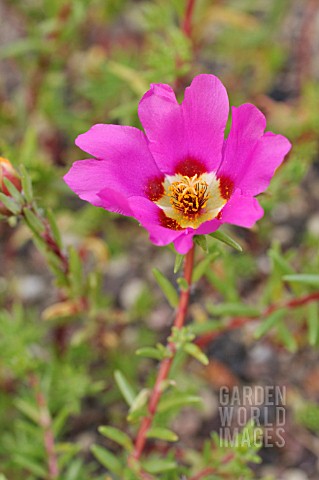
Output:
(181, 178)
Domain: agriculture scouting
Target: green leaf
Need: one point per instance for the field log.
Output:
(60, 419)
(232, 309)
(117, 436)
(107, 459)
(138, 404)
(132, 77)
(76, 272)
(23, 47)
(287, 337)
(150, 352)
(202, 266)
(307, 279)
(208, 326)
(14, 192)
(223, 237)
(125, 388)
(28, 410)
(178, 262)
(159, 465)
(166, 287)
(26, 184)
(54, 228)
(196, 352)
(177, 401)
(269, 322)
(33, 221)
(280, 262)
(30, 465)
(313, 323)
(10, 204)
(183, 284)
(162, 434)
(201, 241)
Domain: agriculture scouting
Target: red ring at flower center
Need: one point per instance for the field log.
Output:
(226, 187)
(154, 189)
(190, 167)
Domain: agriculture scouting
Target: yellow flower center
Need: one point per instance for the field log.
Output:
(190, 201)
(190, 195)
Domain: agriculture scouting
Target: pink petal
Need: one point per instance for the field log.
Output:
(251, 157)
(242, 211)
(87, 179)
(148, 214)
(192, 131)
(126, 164)
(208, 227)
(114, 202)
(184, 242)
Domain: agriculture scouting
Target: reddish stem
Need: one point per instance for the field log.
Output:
(45, 422)
(237, 322)
(204, 473)
(187, 24)
(211, 470)
(166, 363)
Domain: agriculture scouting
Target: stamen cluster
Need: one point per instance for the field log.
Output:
(190, 195)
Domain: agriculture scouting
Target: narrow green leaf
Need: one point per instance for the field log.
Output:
(268, 323)
(53, 260)
(313, 323)
(132, 77)
(26, 184)
(60, 419)
(196, 352)
(200, 328)
(28, 410)
(150, 352)
(33, 221)
(202, 266)
(117, 436)
(166, 287)
(158, 465)
(14, 192)
(223, 237)
(10, 204)
(76, 272)
(54, 228)
(178, 262)
(22, 47)
(307, 279)
(201, 241)
(287, 337)
(107, 459)
(30, 465)
(179, 400)
(162, 434)
(183, 284)
(232, 309)
(125, 388)
(138, 404)
(280, 262)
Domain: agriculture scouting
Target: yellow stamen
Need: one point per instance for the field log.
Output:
(189, 196)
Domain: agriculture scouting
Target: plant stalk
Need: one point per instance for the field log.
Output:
(166, 363)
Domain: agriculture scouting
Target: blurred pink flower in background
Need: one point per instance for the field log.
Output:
(181, 177)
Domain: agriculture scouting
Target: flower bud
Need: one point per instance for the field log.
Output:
(7, 171)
